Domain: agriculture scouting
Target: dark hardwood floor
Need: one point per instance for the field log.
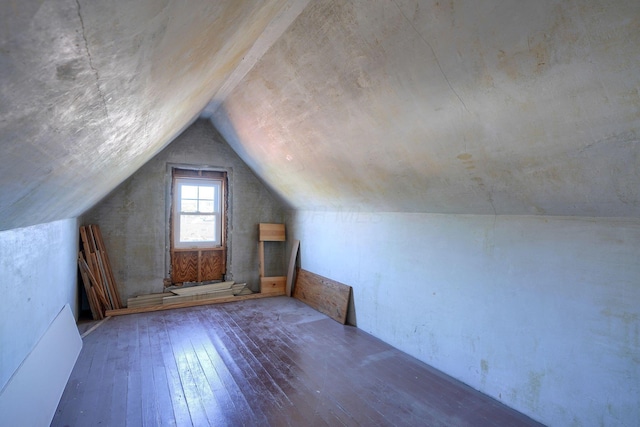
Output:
(272, 361)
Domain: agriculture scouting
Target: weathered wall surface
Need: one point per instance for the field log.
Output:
(134, 217)
(543, 314)
(90, 91)
(507, 107)
(38, 273)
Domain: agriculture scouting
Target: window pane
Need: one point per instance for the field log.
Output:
(206, 206)
(197, 228)
(206, 193)
(189, 191)
(189, 206)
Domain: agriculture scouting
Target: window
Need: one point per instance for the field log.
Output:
(198, 210)
(198, 213)
(197, 225)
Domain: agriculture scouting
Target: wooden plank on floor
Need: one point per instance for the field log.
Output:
(325, 295)
(203, 289)
(160, 307)
(147, 300)
(210, 295)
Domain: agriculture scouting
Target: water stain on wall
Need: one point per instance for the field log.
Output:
(484, 371)
(533, 389)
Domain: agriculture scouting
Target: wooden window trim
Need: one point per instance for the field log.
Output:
(200, 264)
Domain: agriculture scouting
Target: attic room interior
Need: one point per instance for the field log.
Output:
(471, 170)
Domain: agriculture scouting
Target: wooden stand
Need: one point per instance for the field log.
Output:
(270, 233)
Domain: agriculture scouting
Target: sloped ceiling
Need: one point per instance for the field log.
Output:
(91, 90)
(487, 107)
(470, 107)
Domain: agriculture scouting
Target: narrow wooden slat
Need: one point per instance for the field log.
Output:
(245, 398)
(111, 278)
(105, 282)
(205, 379)
(211, 295)
(203, 289)
(147, 300)
(297, 381)
(325, 295)
(292, 265)
(261, 258)
(236, 411)
(93, 305)
(97, 285)
(248, 364)
(263, 345)
(178, 402)
(271, 232)
(240, 288)
(188, 374)
(92, 240)
(95, 292)
(155, 296)
(88, 252)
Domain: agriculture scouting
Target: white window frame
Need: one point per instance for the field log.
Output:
(217, 211)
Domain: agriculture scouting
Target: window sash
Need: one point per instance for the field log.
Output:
(197, 229)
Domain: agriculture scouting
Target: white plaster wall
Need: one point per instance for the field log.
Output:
(38, 276)
(540, 313)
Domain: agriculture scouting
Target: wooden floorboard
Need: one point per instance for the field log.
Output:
(259, 362)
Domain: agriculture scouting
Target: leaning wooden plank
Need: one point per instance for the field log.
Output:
(100, 309)
(325, 295)
(271, 232)
(292, 265)
(92, 239)
(197, 297)
(103, 251)
(103, 267)
(95, 288)
(186, 304)
(105, 282)
(85, 240)
(87, 288)
(202, 289)
(86, 247)
(95, 280)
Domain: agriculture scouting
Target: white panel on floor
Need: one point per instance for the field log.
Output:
(31, 396)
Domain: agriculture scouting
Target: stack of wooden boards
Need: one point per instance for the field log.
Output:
(97, 276)
(208, 292)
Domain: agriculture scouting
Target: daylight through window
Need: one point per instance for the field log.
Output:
(198, 212)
